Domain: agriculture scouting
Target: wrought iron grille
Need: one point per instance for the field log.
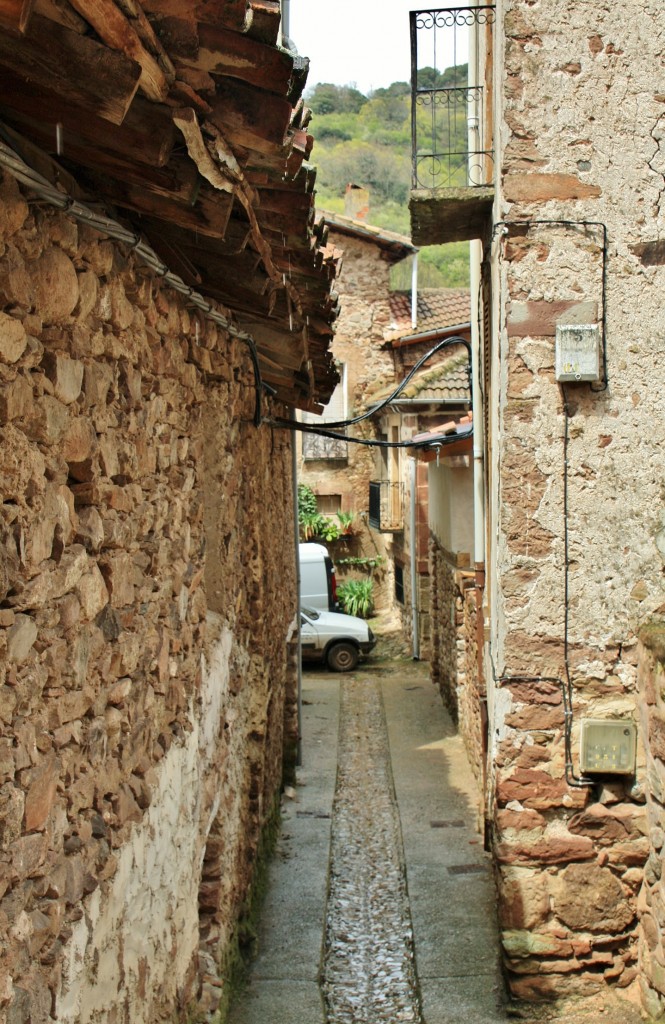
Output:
(385, 506)
(448, 129)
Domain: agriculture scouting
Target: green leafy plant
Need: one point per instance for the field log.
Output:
(345, 521)
(328, 529)
(356, 597)
(362, 562)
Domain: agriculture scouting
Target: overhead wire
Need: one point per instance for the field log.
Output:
(430, 442)
(454, 340)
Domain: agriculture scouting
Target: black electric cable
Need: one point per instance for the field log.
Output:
(438, 440)
(568, 688)
(454, 340)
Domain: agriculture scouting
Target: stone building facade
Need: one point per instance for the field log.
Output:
(340, 472)
(570, 218)
(147, 686)
(148, 605)
(376, 345)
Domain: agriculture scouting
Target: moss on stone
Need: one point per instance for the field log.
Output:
(652, 635)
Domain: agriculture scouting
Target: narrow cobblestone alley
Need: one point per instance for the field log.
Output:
(380, 907)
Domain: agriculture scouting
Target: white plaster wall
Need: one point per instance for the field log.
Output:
(146, 919)
(451, 506)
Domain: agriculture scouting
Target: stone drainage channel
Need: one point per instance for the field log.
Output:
(385, 793)
(369, 971)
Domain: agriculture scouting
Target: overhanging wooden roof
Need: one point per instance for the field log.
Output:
(186, 118)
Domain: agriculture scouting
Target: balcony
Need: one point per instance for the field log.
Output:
(385, 506)
(452, 158)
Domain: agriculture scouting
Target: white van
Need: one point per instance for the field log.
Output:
(318, 586)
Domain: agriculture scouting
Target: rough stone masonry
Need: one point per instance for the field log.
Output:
(575, 528)
(147, 594)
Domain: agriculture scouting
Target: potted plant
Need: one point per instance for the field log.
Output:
(346, 522)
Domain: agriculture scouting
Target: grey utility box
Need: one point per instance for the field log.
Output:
(577, 353)
(607, 747)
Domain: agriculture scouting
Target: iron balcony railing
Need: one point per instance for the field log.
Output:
(448, 116)
(385, 506)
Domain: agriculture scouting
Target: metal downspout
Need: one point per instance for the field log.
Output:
(286, 23)
(475, 257)
(414, 292)
(296, 538)
(415, 624)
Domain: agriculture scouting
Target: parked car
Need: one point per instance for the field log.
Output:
(334, 638)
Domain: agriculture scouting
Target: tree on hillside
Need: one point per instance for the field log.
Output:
(384, 172)
(326, 98)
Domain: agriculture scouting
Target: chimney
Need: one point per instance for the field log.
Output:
(356, 202)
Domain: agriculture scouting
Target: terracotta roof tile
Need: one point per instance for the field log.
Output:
(437, 307)
(448, 382)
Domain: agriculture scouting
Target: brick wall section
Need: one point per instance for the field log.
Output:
(144, 614)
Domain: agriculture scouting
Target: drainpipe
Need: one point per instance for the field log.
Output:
(475, 257)
(296, 538)
(285, 38)
(414, 292)
(415, 625)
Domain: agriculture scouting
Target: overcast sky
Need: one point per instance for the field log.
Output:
(365, 42)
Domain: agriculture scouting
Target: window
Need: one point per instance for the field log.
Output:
(329, 504)
(316, 447)
(399, 584)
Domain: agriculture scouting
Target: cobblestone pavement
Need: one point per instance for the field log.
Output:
(338, 940)
(369, 973)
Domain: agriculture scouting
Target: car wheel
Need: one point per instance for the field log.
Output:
(342, 657)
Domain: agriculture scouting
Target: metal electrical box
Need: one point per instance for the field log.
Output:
(607, 747)
(577, 355)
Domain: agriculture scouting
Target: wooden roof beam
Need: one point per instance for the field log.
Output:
(264, 20)
(223, 52)
(233, 14)
(146, 135)
(112, 26)
(15, 14)
(60, 60)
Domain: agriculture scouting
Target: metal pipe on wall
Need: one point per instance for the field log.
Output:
(414, 292)
(286, 23)
(415, 625)
(296, 531)
(475, 258)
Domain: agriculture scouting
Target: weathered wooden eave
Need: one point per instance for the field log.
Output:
(186, 118)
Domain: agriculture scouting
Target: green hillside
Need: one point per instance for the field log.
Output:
(367, 140)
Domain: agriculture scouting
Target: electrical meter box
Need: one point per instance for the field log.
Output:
(607, 747)
(577, 356)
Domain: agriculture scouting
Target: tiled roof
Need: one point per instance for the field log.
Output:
(449, 439)
(188, 118)
(437, 308)
(448, 382)
(395, 247)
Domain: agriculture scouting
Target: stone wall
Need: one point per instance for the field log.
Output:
(147, 688)
(454, 660)
(363, 285)
(651, 904)
(570, 150)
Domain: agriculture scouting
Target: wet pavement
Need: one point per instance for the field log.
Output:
(381, 905)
